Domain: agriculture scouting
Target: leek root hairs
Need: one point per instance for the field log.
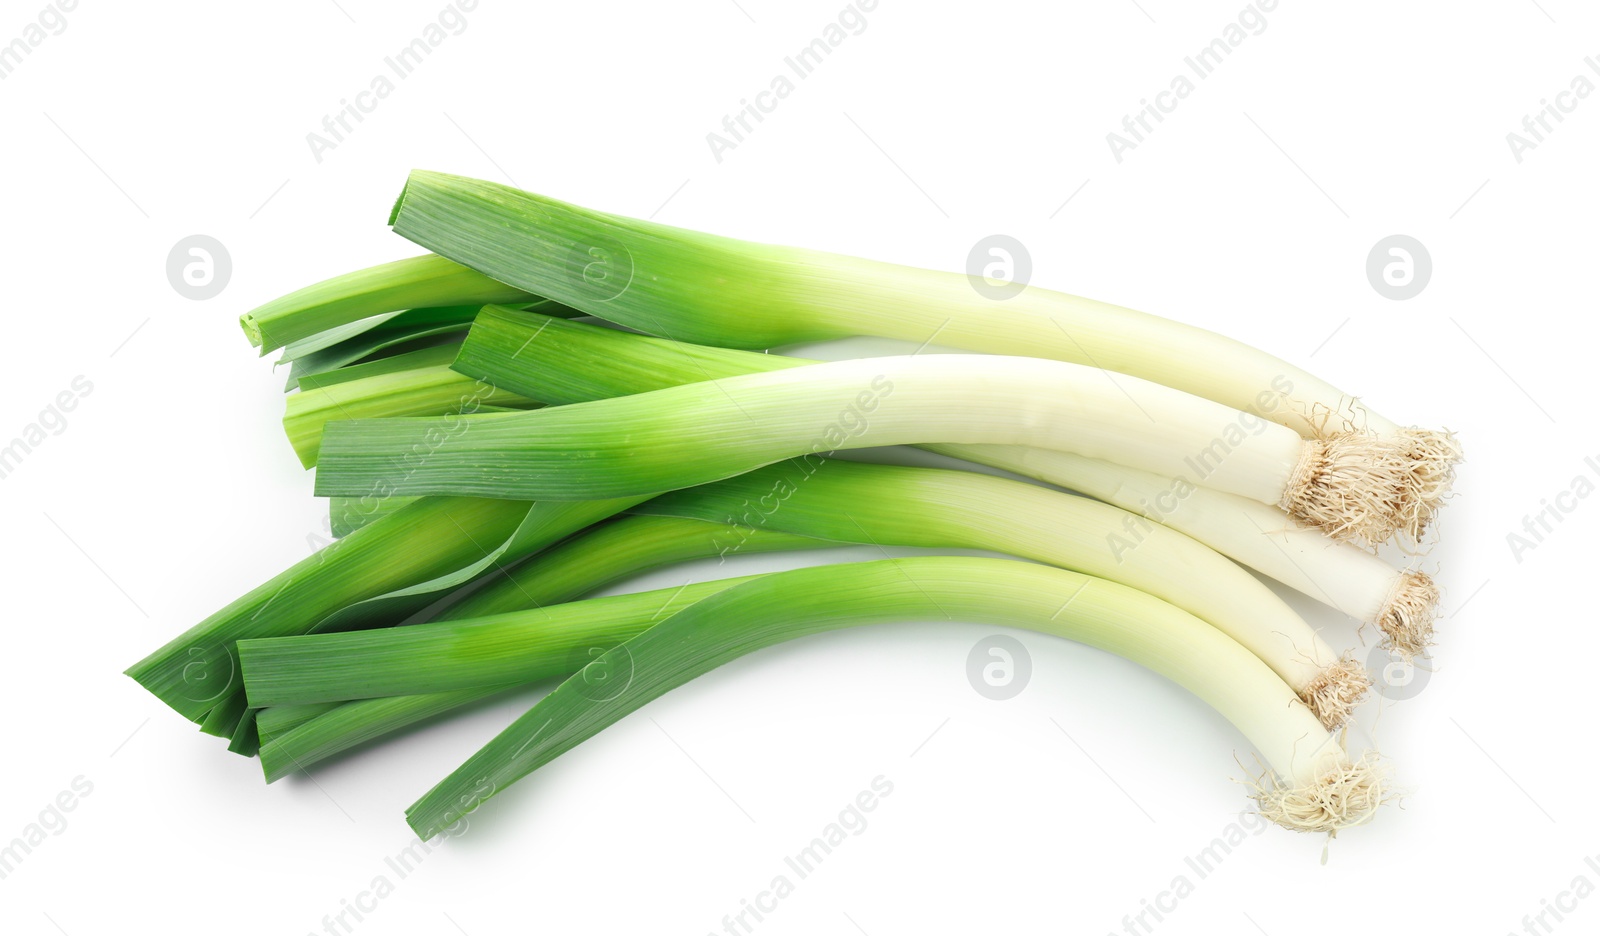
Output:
(1333, 694)
(1343, 795)
(1370, 488)
(1408, 615)
(1434, 456)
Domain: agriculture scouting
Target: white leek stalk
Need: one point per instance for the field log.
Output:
(1350, 486)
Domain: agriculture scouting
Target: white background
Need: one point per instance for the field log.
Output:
(1250, 210)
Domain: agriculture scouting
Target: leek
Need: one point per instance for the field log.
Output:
(1313, 784)
(706, 289)
(1349, 486)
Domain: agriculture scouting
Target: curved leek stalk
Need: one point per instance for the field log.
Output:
(1314, 785)
(571, 362)
(1352, 485)
(617, 547)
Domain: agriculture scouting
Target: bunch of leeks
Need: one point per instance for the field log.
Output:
(493, 459)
